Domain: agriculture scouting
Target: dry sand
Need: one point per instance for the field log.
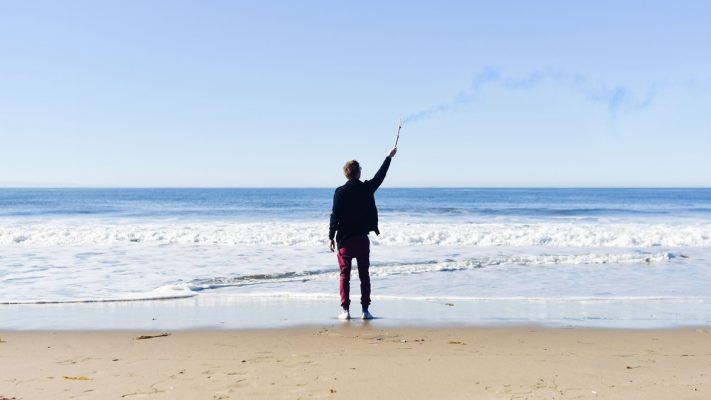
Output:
(359, 362)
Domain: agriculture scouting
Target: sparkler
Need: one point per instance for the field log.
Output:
(399, 126)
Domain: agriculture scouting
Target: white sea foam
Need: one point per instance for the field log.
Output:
(440, 298)
(394, 234)
(93, 260)
(168, 292)
(70, 274)
(421, 267)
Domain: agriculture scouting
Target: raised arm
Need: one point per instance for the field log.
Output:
(380, 175)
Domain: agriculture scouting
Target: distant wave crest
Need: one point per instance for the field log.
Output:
(393, 234)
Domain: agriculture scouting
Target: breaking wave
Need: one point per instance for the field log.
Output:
(394, 234)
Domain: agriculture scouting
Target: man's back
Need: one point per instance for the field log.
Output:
(354, 211)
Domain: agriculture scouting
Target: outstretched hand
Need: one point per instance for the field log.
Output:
(392, 152)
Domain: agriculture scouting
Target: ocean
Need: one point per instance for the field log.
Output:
(555, 245)
(70, 245)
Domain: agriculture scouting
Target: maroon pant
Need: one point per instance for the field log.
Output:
(357, 247)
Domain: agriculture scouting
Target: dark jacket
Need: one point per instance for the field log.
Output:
(354, 211)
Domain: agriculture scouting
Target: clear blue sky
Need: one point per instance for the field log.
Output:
(261, 93)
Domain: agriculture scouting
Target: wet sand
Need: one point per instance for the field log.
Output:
(354, 361)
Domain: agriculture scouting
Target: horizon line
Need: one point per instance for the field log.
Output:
(331, 187)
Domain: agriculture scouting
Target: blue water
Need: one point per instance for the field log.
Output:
(269, 204)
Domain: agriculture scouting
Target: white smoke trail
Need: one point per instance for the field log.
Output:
(615, 98)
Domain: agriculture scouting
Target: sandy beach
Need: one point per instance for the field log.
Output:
(358, 360)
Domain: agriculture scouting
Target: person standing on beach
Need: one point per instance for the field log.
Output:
(353, 217)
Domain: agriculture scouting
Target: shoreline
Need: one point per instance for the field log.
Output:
(334, 361)
(226, 312)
